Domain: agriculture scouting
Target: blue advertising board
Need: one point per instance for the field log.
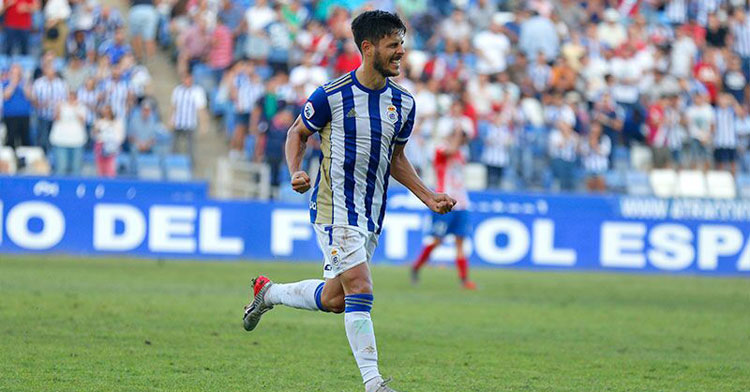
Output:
(610, 233)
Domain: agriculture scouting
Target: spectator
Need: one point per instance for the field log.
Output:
(563, 147)
(245, 92)
(143, 130)
(280, 42)
(48, 92)
(609, 32)
(76, 73)
(492, 48)
(700, 124)
(108, 134)
(17, 108)
(348, 60)
(497, 149)
(725, 133)
(56, 14)
(194, 44)
(106, 22)
(595, 151)
(116, 47)
(275, 138)
(538, 34)
(117, 92)
(308, 74)
(265, 110)
(188, 104)
(81, 45)
(222, 49)
(734, 80)
(17, 24)
(143, 21)
(68, 135)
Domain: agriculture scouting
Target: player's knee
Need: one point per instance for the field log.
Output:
(334, 304)
(361, 285)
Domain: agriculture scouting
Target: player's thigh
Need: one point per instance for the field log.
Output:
(343, 247)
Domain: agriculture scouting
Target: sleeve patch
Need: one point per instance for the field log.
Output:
(309, 111)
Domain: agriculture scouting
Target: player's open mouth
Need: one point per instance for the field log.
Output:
(396, 62)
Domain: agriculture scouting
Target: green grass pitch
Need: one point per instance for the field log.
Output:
(72, 324)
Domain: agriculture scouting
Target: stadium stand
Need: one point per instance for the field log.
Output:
(653, 74)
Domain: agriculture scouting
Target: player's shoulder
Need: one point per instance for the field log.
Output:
(334, 85)
(399, 87)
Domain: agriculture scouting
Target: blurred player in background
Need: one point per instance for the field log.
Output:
(449, 168)
(364, 120)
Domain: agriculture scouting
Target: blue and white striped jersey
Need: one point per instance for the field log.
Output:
(358, 129)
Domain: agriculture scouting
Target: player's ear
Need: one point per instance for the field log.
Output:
(367, 48)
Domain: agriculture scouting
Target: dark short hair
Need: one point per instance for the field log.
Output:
(375, 25)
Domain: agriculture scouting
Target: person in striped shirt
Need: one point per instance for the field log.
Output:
(47, 92)
(595, 152)
(727, 115)
(364, 119)
(187, 115)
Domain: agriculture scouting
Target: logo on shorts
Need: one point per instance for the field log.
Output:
(309, 110)
(335, 256)
(327, 267)
(391, 113)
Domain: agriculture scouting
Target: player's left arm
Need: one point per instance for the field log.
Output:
(403, 171)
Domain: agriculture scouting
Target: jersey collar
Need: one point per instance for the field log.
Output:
(366, 89)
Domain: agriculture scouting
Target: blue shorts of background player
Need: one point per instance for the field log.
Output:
(456, 223)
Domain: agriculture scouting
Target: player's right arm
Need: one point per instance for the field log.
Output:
(315, 115)
(296, 141)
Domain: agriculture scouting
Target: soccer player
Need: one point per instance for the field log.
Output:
(449, 167)
(364, 119)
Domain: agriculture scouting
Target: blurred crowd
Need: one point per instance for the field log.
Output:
(76, 86)
(555, 94)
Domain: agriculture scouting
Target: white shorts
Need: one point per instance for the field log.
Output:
(344, 247)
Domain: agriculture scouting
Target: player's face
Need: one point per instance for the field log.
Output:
(387, 55)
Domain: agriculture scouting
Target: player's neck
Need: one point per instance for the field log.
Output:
(370, 78)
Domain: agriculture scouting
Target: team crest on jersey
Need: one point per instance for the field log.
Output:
(309, 110)
(391, 113)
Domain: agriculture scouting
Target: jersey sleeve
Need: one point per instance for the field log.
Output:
(316, 113)
(405, 132)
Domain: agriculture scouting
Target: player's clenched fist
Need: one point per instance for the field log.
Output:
(441, 203)
(300, 182)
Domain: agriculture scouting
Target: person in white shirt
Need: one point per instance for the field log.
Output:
(108, 134)
(308, 74)
(610, 32)
(700, 120)
(68, 135)
(492, 47)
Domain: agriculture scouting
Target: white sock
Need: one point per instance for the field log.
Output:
(300, 295)
(361, 335)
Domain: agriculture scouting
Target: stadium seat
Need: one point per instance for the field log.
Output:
(640, 157)
(475, 177)
(691, 183)
(149, 167)
(663, 182)
(721, 185)
(636, 183)
(178, 168)
(743, 185)
(8, 157)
